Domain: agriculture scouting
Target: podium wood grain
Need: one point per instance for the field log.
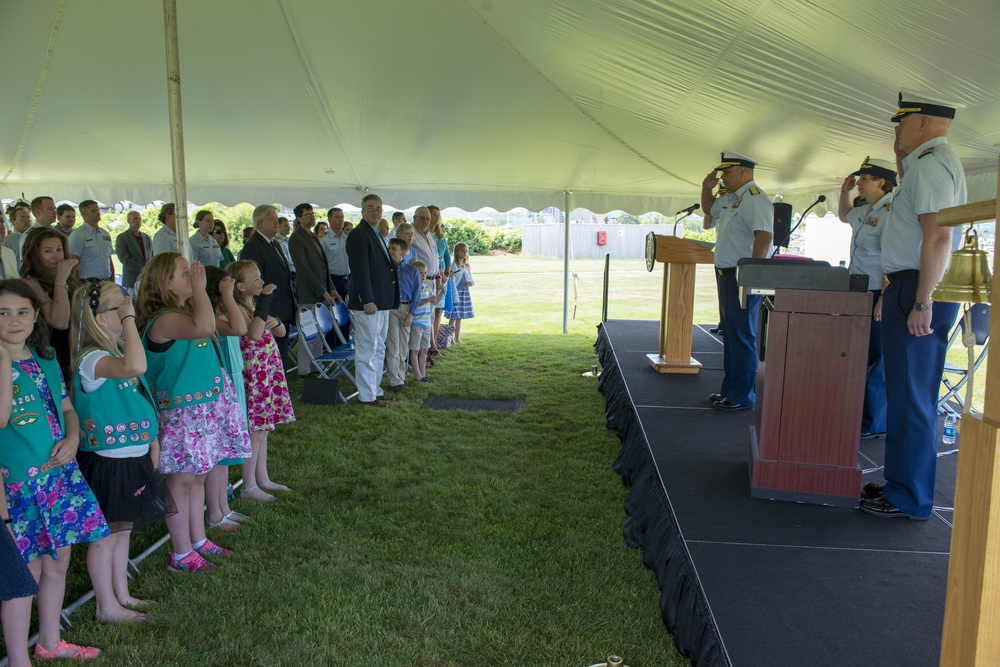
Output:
(677, 304)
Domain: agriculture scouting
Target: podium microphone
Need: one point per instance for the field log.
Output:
(686, 211)
(819, 200)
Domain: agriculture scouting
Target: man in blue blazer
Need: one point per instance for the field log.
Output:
(373, 293)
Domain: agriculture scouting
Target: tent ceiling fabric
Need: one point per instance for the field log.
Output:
(473, 103)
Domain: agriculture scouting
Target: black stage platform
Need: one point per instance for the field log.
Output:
(750, 582)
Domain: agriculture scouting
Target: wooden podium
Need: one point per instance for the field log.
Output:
(678, 257)
(810, 395)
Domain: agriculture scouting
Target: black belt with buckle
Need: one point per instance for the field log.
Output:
(902, 275)
(404, 303)
(725, 272)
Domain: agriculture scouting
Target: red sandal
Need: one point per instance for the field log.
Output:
(78, 652)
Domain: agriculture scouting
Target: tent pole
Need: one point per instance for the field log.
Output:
(176, 124)
(568, 195)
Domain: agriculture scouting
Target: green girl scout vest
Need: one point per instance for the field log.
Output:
(188, 373)
(26, 442)
(115, 415)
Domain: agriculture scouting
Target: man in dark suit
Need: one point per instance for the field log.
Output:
(262, 249)
(374, 291)
(134, 248)
(312, 278)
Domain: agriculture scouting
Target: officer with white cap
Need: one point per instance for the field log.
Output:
(744, 219)
(915, 255)
(875, 181)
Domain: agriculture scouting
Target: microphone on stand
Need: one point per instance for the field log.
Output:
(686, 211)
(819, 200)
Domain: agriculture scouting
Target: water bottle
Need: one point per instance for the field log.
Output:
(351, 339)
(948, 437)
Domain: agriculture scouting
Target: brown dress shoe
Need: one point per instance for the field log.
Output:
(374, 404)
(399, 387)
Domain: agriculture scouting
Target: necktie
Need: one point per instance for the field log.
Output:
(281, 255)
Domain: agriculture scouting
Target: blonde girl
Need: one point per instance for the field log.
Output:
(461, 278)
(118, 446)
(268, 401)
(199, 416)
(50, 505)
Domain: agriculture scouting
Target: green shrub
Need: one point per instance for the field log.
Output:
(482, 240)
(461, 230)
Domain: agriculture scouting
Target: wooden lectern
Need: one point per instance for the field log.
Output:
(678, 257)
(810, 394)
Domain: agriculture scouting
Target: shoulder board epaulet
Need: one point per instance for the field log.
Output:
(754, 191)
(926, 152)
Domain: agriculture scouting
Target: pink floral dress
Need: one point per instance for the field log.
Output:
(268, 401)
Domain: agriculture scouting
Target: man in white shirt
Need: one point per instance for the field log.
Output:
(20, 220)
(92, 245)
(44, 210)
(335, 244)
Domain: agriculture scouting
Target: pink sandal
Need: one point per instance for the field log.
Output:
(78, 652)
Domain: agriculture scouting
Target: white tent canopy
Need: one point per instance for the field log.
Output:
(470, 103)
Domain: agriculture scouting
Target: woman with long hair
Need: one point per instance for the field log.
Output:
(49, 268)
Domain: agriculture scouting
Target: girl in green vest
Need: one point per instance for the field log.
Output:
(199, 416)
(118, 446)
(49, 503)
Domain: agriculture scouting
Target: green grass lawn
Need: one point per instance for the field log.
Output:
(419, 537)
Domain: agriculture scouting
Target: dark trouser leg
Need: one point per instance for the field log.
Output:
(283, 344)
(873, 419)
(739, 331)
(913, 366)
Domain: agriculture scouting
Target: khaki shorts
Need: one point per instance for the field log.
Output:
(420, 339)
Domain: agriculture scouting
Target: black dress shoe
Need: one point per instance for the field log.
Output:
(872, 490)
(727, 406)
(882, 508)
(869, 435)
(715, 398)
(715, 330)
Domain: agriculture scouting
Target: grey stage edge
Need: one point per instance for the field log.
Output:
(760, 582)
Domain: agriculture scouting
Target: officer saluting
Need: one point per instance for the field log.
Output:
(744, 218)
(875, 181)
(915, 254)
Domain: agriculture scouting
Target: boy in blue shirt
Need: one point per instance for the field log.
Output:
(397, 342)
(420, 331)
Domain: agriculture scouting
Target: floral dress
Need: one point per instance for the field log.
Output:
(56, 508)
(268, 401)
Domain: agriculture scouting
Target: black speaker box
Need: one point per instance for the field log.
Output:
(782, 224)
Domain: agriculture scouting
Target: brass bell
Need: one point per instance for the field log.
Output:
(968, 279)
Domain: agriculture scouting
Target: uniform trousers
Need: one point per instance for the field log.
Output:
(397, 345)
(369, 352)
(873, 415)
(739, 342)
(913, 367)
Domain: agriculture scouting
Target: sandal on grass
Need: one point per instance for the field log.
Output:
(273, 486)
(237, 517)
(247, 494)
(227, 525)
(75, 652)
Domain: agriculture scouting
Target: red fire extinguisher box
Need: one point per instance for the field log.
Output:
(602, 238)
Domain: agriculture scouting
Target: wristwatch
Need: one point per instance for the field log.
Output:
(921, 307)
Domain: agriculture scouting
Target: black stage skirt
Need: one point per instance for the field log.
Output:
(130, 492)
(16, 581)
